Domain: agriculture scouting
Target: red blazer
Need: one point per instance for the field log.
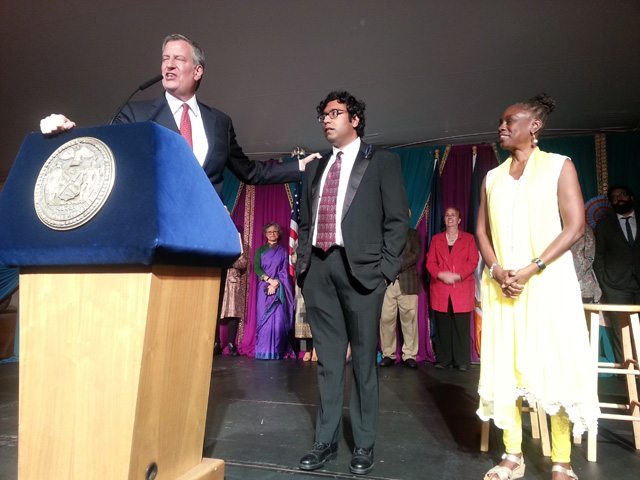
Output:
(463, 260)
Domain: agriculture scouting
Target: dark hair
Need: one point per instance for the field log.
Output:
(541, 106)
(355, 107)
(619, 187)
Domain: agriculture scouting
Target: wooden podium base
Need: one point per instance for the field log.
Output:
(208, 469)
(115, 371)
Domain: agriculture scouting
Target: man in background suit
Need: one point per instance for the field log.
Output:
(353, 227)
(402, 296)
(209, 131)
(617, 260)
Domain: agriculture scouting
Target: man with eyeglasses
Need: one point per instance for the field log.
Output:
(203, 127)
(353, 228)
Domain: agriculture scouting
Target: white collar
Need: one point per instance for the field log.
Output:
(175, 104)
(625, 215)
(350, 150)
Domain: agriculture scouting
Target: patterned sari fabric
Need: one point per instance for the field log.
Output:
(274, 313)
(535, 345)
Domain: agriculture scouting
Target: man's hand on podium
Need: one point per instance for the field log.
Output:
(55, 124)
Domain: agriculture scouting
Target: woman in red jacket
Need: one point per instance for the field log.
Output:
(451, 261)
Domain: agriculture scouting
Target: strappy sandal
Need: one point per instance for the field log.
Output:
(565, 471)
(506, 473)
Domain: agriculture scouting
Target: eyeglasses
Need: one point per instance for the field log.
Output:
(332, 114)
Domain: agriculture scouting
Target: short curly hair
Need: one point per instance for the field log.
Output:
(355, 107)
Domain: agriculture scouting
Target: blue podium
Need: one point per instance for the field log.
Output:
(120, 239)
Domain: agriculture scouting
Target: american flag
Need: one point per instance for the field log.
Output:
(293, 226)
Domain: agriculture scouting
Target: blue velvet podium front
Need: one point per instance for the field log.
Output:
(118, 310)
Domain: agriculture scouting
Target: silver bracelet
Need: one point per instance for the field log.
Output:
(491, 270)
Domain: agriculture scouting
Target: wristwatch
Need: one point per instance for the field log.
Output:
(539, 263)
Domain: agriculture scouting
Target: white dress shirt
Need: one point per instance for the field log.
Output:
(349, 154)
(198, 136)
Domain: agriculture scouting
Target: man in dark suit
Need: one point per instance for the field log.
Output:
(402, 297)
(617, 261)
(353, 226)
(208, 130)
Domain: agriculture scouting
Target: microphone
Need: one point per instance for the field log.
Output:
(150, 82)
(143, 86)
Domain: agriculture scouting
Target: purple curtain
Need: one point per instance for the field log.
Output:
(455, 180)
(425, 348)
(458, 191)
(258, 205)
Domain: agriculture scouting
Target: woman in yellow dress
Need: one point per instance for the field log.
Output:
(534, 337)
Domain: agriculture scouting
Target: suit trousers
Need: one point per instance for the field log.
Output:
(453, 338)
(341, 311)
(407, 305)
(620, 297)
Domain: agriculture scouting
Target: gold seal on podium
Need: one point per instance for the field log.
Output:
(74, 183)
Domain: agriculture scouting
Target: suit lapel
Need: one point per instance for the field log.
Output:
(209, 121)
(359, 167)
(161, 114)
(444, 246)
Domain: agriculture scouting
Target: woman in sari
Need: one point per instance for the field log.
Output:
(275, 298)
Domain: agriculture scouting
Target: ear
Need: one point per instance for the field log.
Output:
(536, 125)
(355, 121)
(198, 72)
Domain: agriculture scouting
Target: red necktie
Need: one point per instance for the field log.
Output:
(185, 125)
(326, 235)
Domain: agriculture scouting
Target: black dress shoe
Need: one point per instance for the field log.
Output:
(361, 461)
(411, 363)
(387, 362)
(233, 351)
(319, 454)
(216, 349)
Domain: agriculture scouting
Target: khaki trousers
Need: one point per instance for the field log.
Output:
(407, 305)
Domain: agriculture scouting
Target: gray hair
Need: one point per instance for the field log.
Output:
(198, 53)
(272, 224)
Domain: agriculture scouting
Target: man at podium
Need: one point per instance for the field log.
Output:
(182, 69)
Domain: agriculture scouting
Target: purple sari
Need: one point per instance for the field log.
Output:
(274, 313)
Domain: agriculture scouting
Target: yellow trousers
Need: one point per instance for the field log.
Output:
(560, 435)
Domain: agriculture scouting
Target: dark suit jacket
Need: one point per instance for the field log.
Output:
(223, 147)
(374, 216)
(408, 278)
(463, 259)
(617, 264)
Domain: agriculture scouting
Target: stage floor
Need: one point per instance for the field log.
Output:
(261, 416)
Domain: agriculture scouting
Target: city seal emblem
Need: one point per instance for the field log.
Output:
(74, 183)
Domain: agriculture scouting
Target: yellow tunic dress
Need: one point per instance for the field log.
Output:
(535, 345)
